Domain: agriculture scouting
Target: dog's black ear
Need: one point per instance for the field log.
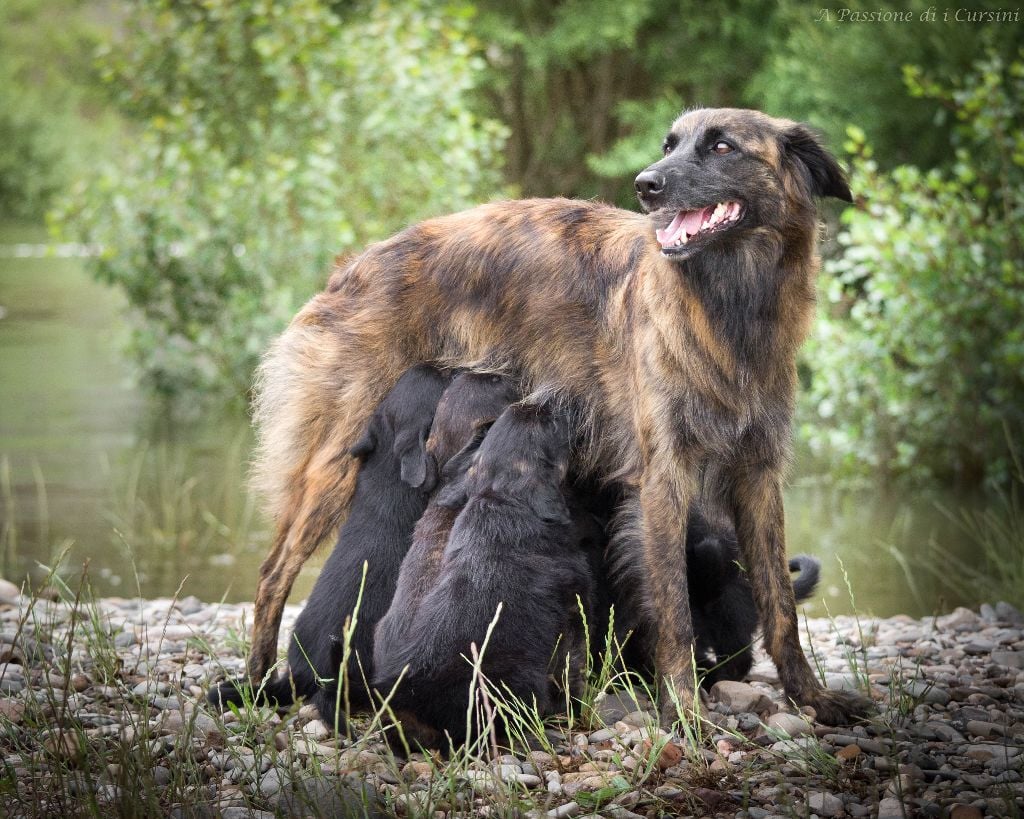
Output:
(366, 444)
(827, 178)
(411, 450)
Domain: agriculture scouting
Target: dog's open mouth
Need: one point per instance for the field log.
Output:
(692, 224)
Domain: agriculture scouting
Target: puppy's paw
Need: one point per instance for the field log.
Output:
(229, 691)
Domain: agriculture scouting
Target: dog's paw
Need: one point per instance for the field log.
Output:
(839, 707)
(229, 691)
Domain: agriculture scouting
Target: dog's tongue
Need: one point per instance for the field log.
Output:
(688, 220)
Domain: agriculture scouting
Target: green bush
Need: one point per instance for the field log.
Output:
(270, 136)
(918, 362)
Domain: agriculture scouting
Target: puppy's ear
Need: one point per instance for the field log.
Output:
(366, 444)
(827, 178)
(548, 504)
(414, 462)
(453, 495)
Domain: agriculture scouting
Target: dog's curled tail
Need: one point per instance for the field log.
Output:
(805, 582)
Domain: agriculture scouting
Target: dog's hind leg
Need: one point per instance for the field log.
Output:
(321, 500)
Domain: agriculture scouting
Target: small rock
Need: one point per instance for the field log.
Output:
(959, 618)
(791, 724)
(12, 710)
(64, 745)
(316, 730)
(978, 728)
(1008, 613)
(1010, 659)
(239, 812)
(671, 754)
(563, 811)
(824, 804)
(965, 812)
(506, 772)
(890, 808)
(739, 697)
(151, 688)
(849, 753)
(9, 593)
(927, 691)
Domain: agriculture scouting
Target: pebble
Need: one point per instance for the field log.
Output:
(824, 804)
(739, 697)
(789, 724)
(9, 593)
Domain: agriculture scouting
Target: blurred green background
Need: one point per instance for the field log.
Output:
(176, 176)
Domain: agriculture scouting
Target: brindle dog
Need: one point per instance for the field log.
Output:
(673, 337)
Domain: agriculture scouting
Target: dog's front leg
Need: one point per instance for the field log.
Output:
(665, 494)
(760, 527)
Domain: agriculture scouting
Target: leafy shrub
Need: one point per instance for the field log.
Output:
(271, 136)
(919, 360)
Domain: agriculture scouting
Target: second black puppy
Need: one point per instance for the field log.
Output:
(513, 543)
(722, 600)
(392, 486)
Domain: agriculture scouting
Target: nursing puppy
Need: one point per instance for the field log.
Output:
(469, 406)
(513, 543)
(395, 476)
(722, 600)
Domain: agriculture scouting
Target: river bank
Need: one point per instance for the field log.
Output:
(101, 709)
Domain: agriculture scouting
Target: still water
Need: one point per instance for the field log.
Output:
(92, 469)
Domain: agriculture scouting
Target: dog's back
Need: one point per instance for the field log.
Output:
(513, 543)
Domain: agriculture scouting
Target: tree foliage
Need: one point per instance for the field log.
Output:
(588, 87)
(269, 136)
(919, 361)
(47, 89)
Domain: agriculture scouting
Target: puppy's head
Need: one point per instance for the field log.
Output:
(523, 459)
(470, 404)
(727, 173)
(400, 425)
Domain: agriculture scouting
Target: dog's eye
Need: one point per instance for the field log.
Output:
(722, 147)
(669, 144)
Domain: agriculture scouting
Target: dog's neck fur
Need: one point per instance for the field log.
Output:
(745, 297)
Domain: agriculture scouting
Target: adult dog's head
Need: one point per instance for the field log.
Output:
(729, 171)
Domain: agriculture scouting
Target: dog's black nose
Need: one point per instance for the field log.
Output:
(649, 183)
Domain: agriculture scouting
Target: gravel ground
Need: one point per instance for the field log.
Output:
(108, 717)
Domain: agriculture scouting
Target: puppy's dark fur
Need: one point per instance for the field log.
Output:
(395, 475)
(513, 543)
(722, 600)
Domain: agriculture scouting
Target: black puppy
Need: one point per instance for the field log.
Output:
(513, 543)
(395, 476)
(469, 406)
(722, 600)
